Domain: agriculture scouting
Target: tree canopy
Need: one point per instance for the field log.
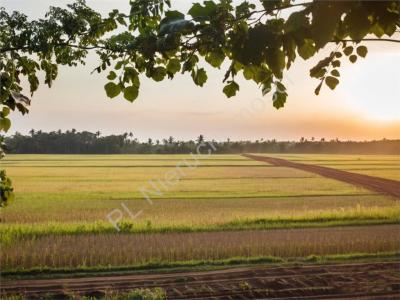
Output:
(85, 142)
(249, 39)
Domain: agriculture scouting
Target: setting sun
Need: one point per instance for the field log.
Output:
(373, 87)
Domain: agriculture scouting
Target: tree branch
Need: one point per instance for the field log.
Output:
(94, 47)
(369, 40)
(267, 11)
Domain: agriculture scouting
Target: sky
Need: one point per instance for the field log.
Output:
(364, 106)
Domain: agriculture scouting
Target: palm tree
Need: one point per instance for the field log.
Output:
(200, 139)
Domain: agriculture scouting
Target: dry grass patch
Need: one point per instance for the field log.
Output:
(90, 250)
(192, 211)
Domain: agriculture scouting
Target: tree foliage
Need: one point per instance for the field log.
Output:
(250, 39)
(75, 142)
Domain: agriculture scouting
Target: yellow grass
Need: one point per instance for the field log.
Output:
(120, 249)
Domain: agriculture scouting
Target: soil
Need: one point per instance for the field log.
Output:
(331, 281)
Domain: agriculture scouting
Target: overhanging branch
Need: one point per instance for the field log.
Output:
(96, 47)
(369, 40)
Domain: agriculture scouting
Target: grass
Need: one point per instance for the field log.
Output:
(208, 187)
(90, 183)
(186, 211)
(135, 294)
(305, 219)
(103, 157)
(110, 249)
(25, 173)
(124, 160)
(192, 265)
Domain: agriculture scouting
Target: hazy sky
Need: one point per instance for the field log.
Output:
(364, 106)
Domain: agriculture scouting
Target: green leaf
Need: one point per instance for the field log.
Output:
(353, 58)
(279, 99)
(336, 63)
(276, 61)
(325, 18)
(131, 75)
(199, 12)
(335, 73)
(119, 64)
(377, 30)
(199, 77)
(112, 89)
(5, 124)
(231, 89)
(121, 20)
(332, 82)
(158, 74)
(289, 47)
(348, 50)
(131, 93)
(248, 73)
(215, 58)
(244, 9)
(262, 75)
(280, 86)
(112, 75)
(318, 89)
(362, 51)
(266, 88)
(357, 22)
(174, 66)
(255, 43)
(338, 55)
(173, 15)
(307, 50)
(190, 64)
(317, 73)
(389, 24)
(296, 21)
(6, 111)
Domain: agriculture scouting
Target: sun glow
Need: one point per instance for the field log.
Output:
(372, 87)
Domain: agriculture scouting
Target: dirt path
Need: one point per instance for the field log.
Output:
(337, 281)
(376, 184)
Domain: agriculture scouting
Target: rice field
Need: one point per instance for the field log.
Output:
(203, 208)
(385, 166)
(139, 249)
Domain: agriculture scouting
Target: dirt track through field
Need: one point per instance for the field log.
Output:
(381, 185)
(332, 281)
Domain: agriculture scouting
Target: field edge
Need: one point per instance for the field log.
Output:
(197, 265)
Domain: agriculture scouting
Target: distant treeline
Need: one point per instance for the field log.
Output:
(74, 142)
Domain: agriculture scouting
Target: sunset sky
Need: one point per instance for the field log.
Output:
(366, 104)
